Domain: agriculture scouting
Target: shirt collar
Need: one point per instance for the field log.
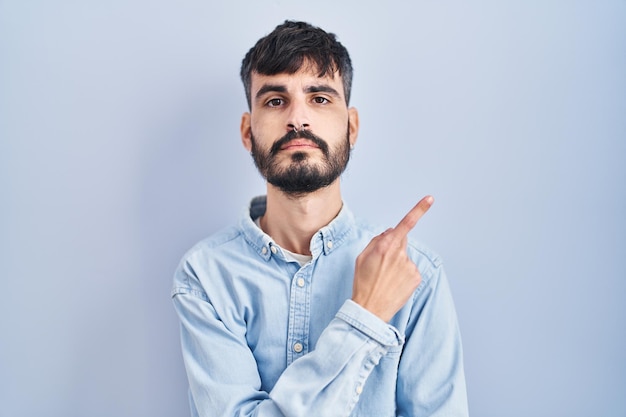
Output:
(325, 241)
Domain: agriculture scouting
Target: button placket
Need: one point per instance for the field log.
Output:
(299, 315)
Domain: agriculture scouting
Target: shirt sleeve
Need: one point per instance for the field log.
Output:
(431, 379)
(224, 379)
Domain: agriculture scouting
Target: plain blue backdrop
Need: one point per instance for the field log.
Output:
(120, 148)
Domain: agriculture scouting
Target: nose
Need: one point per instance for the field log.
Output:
(298, 117)
(296, 128)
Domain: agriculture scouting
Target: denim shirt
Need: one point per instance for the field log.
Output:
(264, 336)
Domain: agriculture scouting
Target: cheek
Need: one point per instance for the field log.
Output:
(336, 129)
(261, 121)
(260, 131)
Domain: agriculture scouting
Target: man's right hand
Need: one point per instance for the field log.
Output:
(384, 276)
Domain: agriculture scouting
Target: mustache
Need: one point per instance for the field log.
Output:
(300, 134)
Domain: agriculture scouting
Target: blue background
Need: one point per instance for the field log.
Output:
(120, 148)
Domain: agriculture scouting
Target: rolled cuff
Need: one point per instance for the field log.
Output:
(370, 324)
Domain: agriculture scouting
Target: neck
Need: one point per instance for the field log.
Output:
(292, 221)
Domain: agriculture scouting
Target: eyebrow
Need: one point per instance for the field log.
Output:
(323, 89)
(270, 88)
(277, 88)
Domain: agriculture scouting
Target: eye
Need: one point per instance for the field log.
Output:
(275, 102)
(320, 100)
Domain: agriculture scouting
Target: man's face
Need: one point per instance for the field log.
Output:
(299, 130)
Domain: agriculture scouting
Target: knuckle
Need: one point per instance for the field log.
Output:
(382, 249)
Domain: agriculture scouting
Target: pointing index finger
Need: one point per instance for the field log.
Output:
(409, 221)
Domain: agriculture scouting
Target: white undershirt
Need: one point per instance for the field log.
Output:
(289, 256)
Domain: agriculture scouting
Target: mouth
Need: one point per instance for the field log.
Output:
(299, 144)
(302, 141)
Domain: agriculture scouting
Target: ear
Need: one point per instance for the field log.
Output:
(246, 131)
(353, 125)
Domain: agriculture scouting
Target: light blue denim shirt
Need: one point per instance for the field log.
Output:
(263, 336)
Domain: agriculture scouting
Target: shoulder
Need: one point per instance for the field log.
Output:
(202, 257)
(419, 251)
(213, 243)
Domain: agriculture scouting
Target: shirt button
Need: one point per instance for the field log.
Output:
(274, 250)
(300, 282)
(329, 244)
(297, 347)
(264, 250)
(359, 389)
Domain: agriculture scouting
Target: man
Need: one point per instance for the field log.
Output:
(300, 309)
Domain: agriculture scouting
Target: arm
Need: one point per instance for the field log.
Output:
(223, 375)
(431, 379)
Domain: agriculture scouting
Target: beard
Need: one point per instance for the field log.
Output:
(301, 176)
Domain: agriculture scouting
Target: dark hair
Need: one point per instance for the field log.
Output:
(291, 45)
